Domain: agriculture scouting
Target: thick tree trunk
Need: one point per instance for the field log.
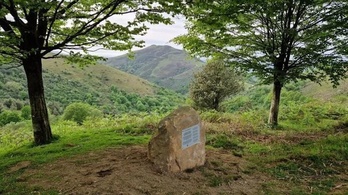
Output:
(39, 115)
(274, 110)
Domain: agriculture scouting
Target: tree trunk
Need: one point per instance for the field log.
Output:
(274, 110)
(39, 115)
(216, 104)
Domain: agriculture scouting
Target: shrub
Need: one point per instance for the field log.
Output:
(254, 98)
(78, 112)
(210, 116)
(312, 113)
(213, 84)
(8, 117)
(26, 113)
(55, 108)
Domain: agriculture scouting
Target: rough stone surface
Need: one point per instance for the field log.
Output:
(165, 148)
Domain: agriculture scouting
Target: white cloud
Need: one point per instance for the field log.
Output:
(159, 34)
(162, 34)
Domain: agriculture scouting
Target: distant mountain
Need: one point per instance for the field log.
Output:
(163, 65)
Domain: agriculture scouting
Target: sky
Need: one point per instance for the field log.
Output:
(159, 34)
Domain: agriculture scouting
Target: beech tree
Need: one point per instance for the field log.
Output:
(277, 40)
(30, 30)
(213, 84)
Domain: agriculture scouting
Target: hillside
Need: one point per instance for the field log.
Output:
(326, 92)
(164, 65)
(111, 90)
(100, 77)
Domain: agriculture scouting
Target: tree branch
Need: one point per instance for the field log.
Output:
(53, 56)
(53, 19)
(88, 26)
(13, 11)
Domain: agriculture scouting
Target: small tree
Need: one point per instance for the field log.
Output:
(213, 84)
(78, 112)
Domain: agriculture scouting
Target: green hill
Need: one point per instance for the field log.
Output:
(111, 90)
(100, 77)
(326, 92)
(163, 65)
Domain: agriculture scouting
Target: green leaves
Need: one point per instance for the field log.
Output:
(82, 60)
(78, 112)
(280, 39)
(213, 84)
(44, 26)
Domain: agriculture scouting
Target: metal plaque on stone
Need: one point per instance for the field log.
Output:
(190, 136)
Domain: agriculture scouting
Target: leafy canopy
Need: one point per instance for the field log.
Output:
(213, 84)
(78, 112)
(44, 26)
(283, 40)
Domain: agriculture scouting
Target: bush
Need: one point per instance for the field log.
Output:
(314, 114)
(255, 98)
(78, 112)
(213, 84)
(8, 117)
(26, 113)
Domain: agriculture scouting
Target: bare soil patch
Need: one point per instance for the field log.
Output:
(19, 166)
(127, 171)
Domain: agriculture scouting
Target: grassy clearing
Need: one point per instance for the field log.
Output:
(313, 165)
(307, 155)
(310, 157)
(71, 139)
(77, 142)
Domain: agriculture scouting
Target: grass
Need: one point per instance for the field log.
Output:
(302, 158)
(66, 145)
(299, 158)
(70, 139)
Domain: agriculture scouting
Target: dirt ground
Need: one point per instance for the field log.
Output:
(127, 171)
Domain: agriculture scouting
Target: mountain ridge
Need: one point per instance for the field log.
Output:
(161, 64)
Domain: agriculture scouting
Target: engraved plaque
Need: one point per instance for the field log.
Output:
(190, 136)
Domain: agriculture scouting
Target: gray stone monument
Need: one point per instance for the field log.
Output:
(179, 142)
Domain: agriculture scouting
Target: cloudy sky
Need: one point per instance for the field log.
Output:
(157, 35)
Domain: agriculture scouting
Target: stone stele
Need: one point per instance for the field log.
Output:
(167, 149)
